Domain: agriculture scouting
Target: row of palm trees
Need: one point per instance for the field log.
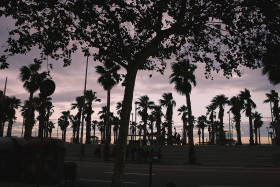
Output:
(182, 77)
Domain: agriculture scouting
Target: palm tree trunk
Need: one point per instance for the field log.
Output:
(107, 129)
(29, 121)
(251, 129)
(213, 130)
(238, 131)
(192, 156)
(259, 135)
(78, 128)
(203, 136)
(199, 136)
(118, 176)
(2, 129)
(9, 130)
(169, 127)
(271, 111)
(221, 126)
(256, 136)
(184, 132)
(145, 132)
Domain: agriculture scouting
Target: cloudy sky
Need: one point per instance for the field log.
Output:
(70, 81)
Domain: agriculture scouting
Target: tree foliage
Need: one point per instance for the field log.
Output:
(232, 33)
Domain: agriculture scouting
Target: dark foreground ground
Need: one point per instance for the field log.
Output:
(99, 174)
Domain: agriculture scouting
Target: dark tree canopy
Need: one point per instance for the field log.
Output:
(230, 32)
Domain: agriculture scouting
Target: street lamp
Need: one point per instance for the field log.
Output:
(229, 133)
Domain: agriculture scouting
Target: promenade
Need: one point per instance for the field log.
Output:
(207, 155)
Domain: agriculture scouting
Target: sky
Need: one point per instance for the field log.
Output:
(70, 84)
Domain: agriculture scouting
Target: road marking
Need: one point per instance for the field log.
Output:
(215, 186)
(145, 174)
(216, 170)
(93, 180)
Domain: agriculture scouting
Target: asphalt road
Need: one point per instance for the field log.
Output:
(93, 174)
(136, 175)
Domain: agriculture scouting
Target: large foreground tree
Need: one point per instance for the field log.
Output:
(230, 33)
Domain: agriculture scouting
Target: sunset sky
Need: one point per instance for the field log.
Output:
(70, 82)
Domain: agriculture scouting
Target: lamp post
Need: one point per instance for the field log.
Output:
(83, 110)
(131, 123)
(229, 133)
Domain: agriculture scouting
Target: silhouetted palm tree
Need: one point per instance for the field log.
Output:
(140, 127)
(109, 77)
(50, 128)
(158, 115)
(103, 114)
(183, 110)
(119, 108)
(90, 97)
(31, 79)
(78, 105)
(133, 127)
(249, 105)
(237, 105)
(273, 98)
(169, 103)
(63, 123)
(220, 101)
(116, 124)
(183, 77)
(257, 125)
(75, 124)
(44, 106)
(12, 104)
(201, 124)
(101, 128)
(93, 125)
(144, 104)
(212, 116)
(151, 119)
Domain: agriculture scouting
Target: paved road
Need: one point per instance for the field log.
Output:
(100, 174)
(91, 174)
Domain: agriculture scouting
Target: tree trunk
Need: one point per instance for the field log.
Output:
(203, 136)
(158, 122)
(213, 129)
(88, 124)
(237, 126)
(78, 128)
(221, 126)
(199, 136)
(184, 132)
(251, 128)
(107, 129)
(145, 130)
(256, 136)
(2, 129)
(259, 135)
(169, 115)
(29, 121)
(118, 176)
(192, 156)
(9, 130)
(42, 118)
